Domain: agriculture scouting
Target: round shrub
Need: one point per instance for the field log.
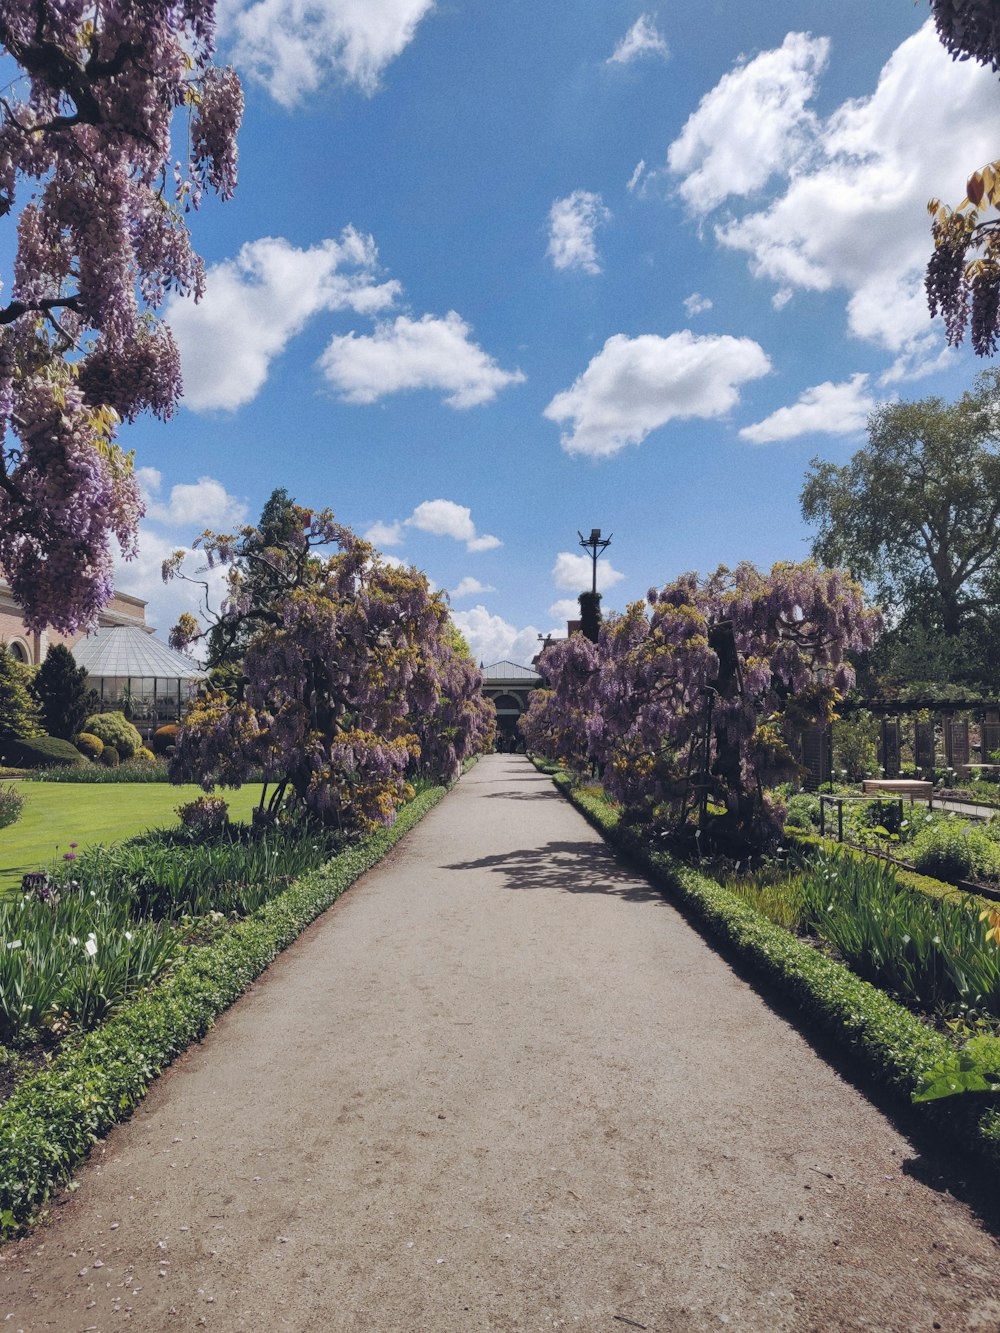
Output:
(115, 729)
(145, 756)
(110, 756)
(41, 752)
(164, 738)
(91, 746)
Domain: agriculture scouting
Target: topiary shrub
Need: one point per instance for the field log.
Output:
(91, 746)
(110, 756)
(41, 752)
(146, 756)
(165, 738)
(115, 729)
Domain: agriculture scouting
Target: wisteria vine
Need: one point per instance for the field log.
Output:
(88, 172)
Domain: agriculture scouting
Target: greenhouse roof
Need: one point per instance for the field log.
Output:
(124, 652)
(509, 671)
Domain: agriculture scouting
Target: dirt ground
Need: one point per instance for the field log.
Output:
(503, 1085)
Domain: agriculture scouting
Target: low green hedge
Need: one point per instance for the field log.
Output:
(53, 1118)
(41, 752)
(895, 1048)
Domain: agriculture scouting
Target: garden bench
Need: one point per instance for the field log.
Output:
(914, 788)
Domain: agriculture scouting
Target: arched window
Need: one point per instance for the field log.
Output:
(508, 703)
(19, 651)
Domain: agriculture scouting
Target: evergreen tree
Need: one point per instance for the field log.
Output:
(19, 713)
(61, 688)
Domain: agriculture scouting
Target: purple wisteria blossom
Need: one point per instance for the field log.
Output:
(86, 168)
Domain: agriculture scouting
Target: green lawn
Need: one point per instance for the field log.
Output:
(58, 813)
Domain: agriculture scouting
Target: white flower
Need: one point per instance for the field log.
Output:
(128, 935)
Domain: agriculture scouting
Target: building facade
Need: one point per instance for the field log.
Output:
(31, 648)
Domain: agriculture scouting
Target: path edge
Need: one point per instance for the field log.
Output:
(891, 1045)
(54, 1117)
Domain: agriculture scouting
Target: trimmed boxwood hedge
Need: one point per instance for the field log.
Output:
(53, 1118)
(42, 752)
(892, 1045)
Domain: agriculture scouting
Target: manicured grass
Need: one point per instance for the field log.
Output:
(58, 813)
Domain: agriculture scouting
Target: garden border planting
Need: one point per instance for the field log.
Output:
(892, 1045)
(54, 1117)
(912, 879)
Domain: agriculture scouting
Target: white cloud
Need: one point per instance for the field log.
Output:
(634, 385)
(292, 46)
(470, 587)
(753, 123)
(696, 304)
(429, 353)
(567, 608)
(445, 518)
(642, 39)
(385, 534)
(190, 508)
(142, 577)
(633, 180)
(492, 639)
(851, 212)
(254, 304)
(205, 504)
(825, 409)
(574, 573)
(572, 223)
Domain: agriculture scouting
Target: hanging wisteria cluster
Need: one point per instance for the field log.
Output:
(88, 172)
(352, 680)
(633, 703)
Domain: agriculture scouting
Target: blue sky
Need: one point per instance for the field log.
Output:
(498, 272)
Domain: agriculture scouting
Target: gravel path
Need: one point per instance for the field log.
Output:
(502, 1085)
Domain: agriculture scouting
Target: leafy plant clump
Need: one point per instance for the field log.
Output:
(954, 851)
(11, 805)
(934, 955)
(206, 814)
(70, 957)
(115, 729)
(172, 873)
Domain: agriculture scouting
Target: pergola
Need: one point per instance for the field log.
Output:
(133, 671)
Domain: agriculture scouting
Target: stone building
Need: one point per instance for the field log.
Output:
(31, 648)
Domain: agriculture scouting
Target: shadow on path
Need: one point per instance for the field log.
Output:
(549, 794)
(571, 867)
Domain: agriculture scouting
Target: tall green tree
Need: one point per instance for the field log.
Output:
(915, 515)
(61, 689)
(19, 712)
(259, 575)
